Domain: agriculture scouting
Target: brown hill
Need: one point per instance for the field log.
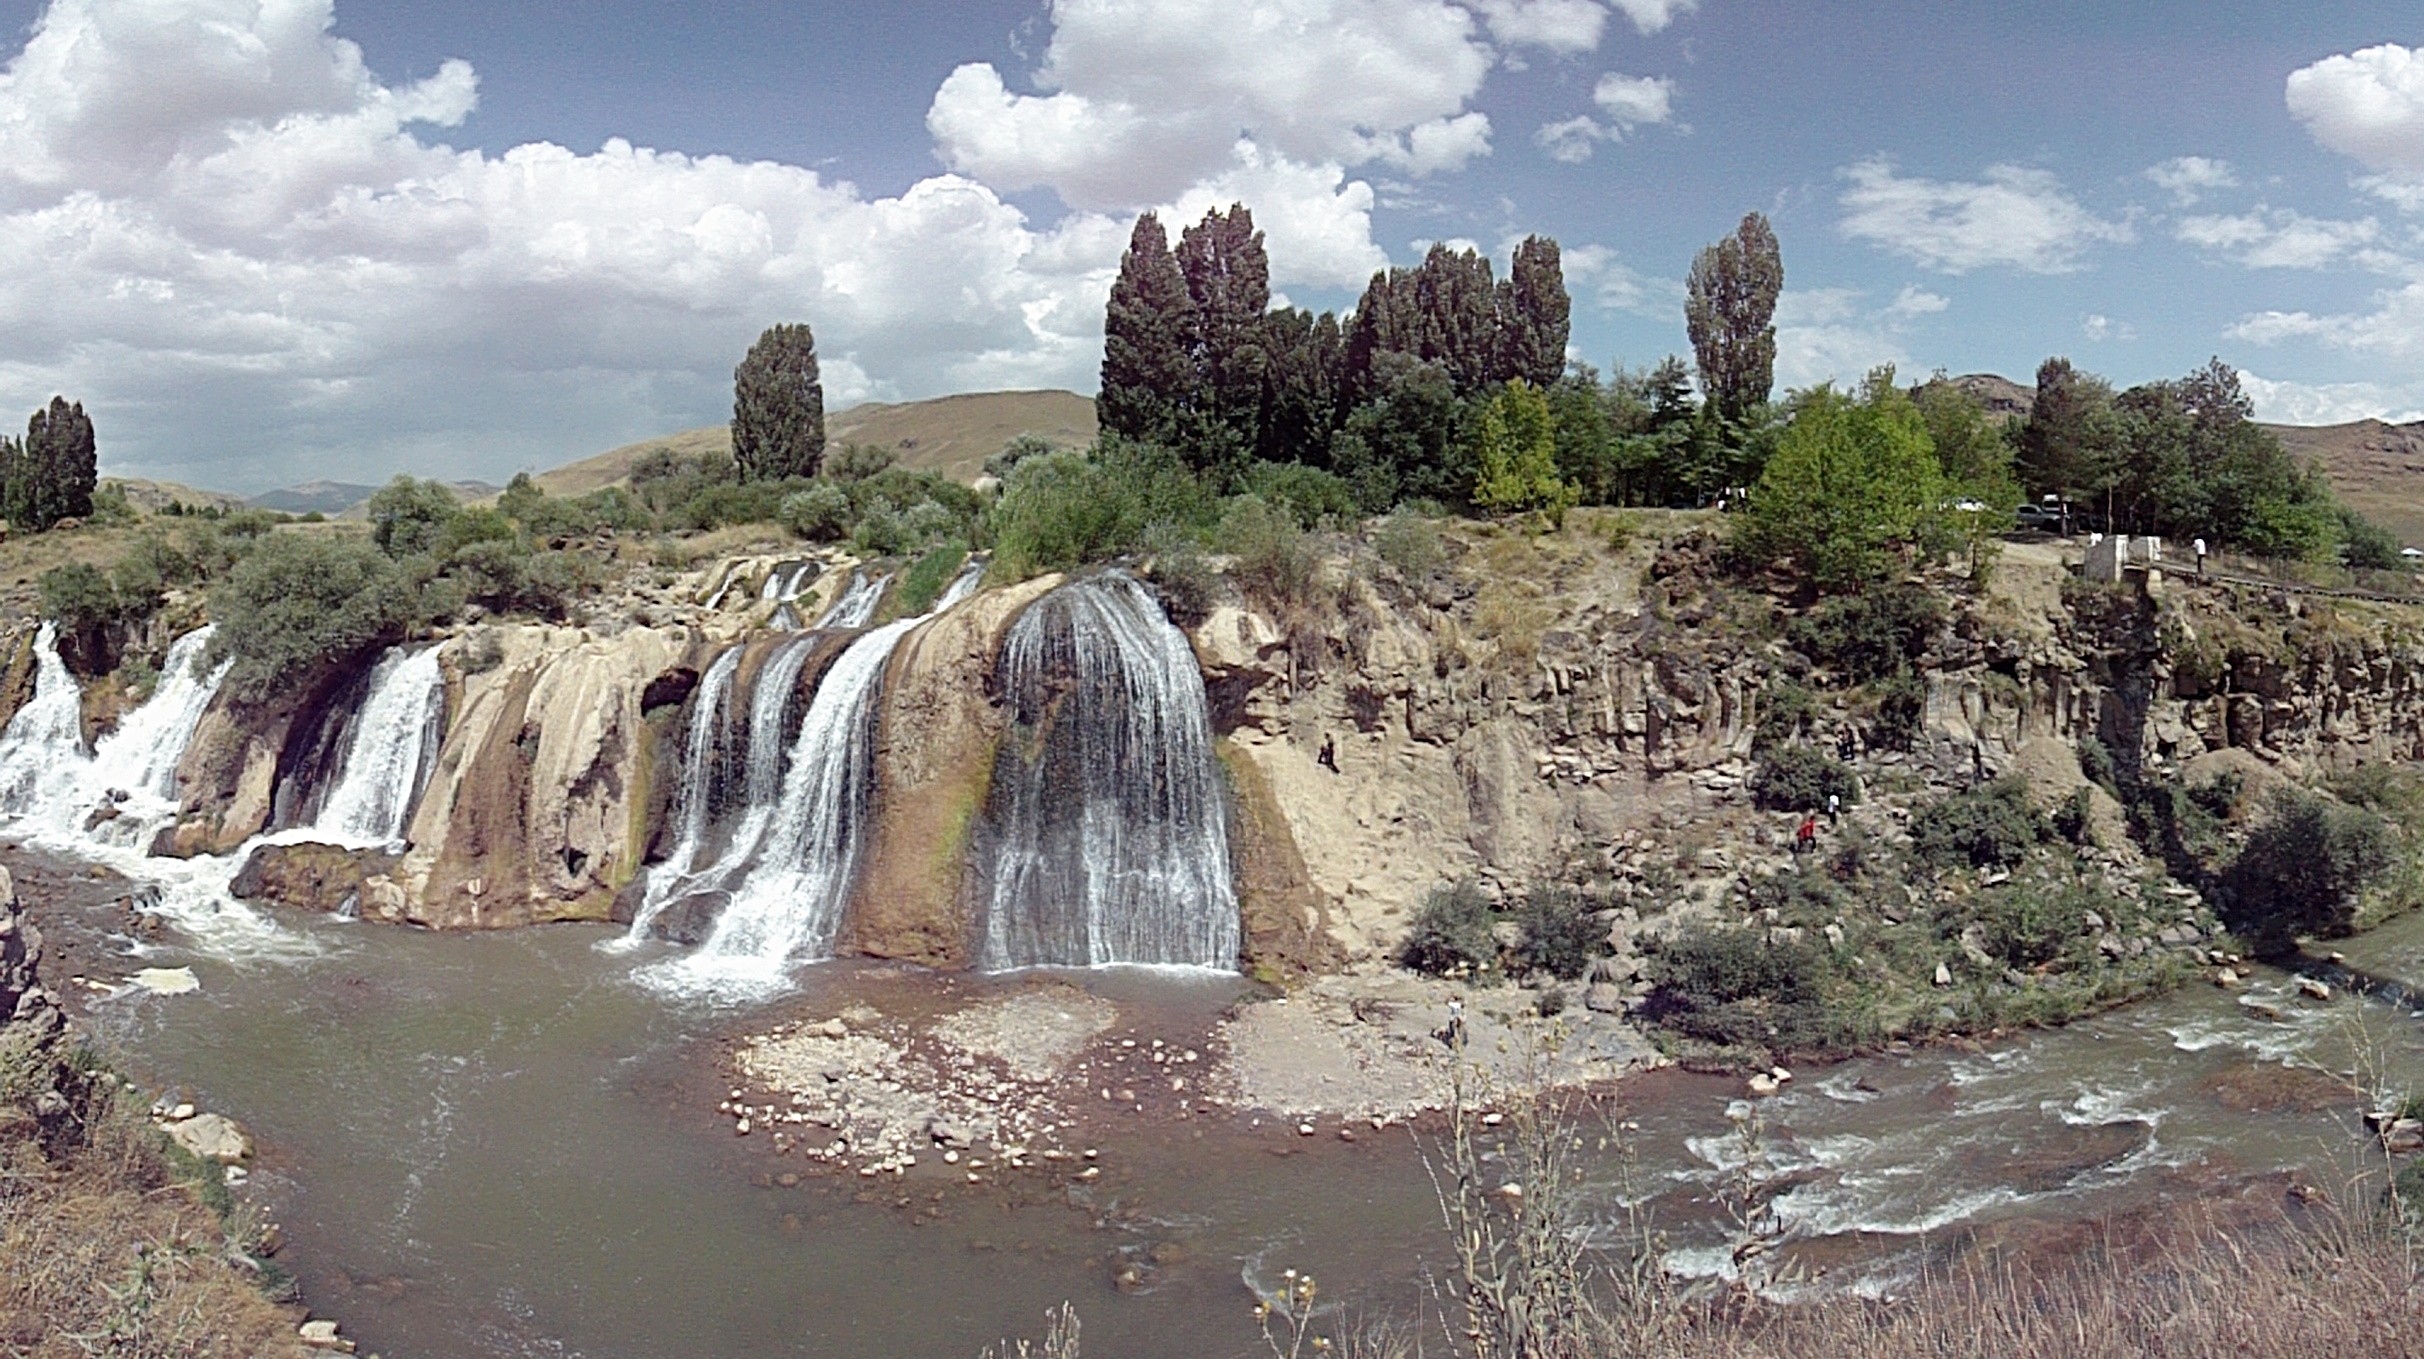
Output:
(952, 435)
(2378, 469)
(151, 497)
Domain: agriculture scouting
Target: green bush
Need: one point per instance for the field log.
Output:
(2028, 925)
(820, 514)
(1274, 562)
(406, 516)
(1737, 989)
(2366, 545)
(1901, 711)
(1560, 932)
(1410, 545)
(543, 516)
(2304, 868)
(926, 579)
(713, 504)
(1798, 778)
(295, 603)
(2074, 820)
(1451, 932)
(1786, 710)
(1878, 632)
(1314, 498)
(1181, 575)
(84, 607)
(1991, 825)
(498, 575)
(857, 462)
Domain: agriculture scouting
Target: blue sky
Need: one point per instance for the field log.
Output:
(270, 240)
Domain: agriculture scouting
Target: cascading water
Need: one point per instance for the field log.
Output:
(858, 601)
(1105, 838)
(395, 739)
(787, 873)
(787, 581)
(707, 778)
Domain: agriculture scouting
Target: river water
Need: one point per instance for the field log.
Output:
(492, 1145)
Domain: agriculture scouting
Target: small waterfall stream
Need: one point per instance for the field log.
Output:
(1106, 837)
(395, 741)
(126, 787)
(857, 603)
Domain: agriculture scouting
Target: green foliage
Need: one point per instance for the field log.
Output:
(2027, 925)
(1407, 438)
(1729, 312)
(1880, 631)
(1798, 778)
(1274, 562)
(1991, 825)
(1312, 497)
(778, 407)
(820, 514)
(926, 579)
(51, 475)
(1067, 509)
(295, 603)
(1515, 455)
(408, 515)
(1560, 932)
(1737, 989)
(1182, 576)
(1900, 709)
(1016, 451)
(857, 462)
(1786, 710)
(1852, 492)
(1410, 545)
(663, 480)
(2074, 819)
(1451, 933)
(1146, 368)
(2304, 868)
(81, 601)
(497, 574)
(540, 515)
(2367, 546)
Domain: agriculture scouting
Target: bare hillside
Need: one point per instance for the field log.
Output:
(952, 435)
(2377, 468)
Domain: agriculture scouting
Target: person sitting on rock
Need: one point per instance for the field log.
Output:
(1329, 752)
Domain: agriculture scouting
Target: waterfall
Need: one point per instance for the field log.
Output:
(857, 603)
(126, 787)
(962, 585)
(395, 739)
(707, 779)
(785, 582)
(788, 906)
(1106, 837)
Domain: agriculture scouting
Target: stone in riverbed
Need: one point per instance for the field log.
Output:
(210, 1137)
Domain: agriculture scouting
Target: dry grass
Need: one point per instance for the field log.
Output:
(105, 1249)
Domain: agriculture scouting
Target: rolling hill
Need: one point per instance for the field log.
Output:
(952, 435)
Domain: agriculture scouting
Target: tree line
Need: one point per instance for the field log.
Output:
(50, 474)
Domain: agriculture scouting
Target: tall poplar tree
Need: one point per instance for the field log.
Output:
(1534, 316)
(55, 469)
(778, 407)
(1729, 310)
(1228, 278)
(1146, 369)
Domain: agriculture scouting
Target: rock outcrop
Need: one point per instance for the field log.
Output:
(40, 1092)
(323, 878)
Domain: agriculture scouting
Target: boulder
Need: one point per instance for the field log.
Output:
(311, 876)
(210, 1137)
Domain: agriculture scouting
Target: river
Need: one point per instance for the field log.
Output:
(500, 1144)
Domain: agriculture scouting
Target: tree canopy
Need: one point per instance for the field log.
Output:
(1853, 491)
(51, 475)
(1729, 311)
(778, 407)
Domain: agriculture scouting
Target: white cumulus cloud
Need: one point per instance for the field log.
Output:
(2189, 178)
(2368, 105)
(1834, 335)
(1625, 102)
(1652, 15)
(1557, 25)
(2327, 403)
(2015, 216)
(2270, 238)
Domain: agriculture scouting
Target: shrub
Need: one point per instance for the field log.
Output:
(498, 575)
(1180, 573)
(85, 607)
(1987, 826)
(2074, 820)
(1311, 496)
(1274, 562)
(926, 579)
(2304, 868)
(1013, 453)
(1901, 712)
(1410, 545)
(857, 462)
(1736, 988)
(1786, 710)
(406, 516)
(1798, 778)
(544, 516)
(820, 514)
(1560, 932)
(2027, 925)
(1878, 632)
(1451, 932)
(713, 504)
(296, 603)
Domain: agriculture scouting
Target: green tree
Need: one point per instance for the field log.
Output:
(294, 604)
(1515, 452)
(408, 516)
(1228, 279)
(1976, 459)
(1301, 392)
(1729, 311)
(778, 407)
(2070, 445)
(1534, 315)
(51, 475)
(1406, 440)
(2304, 869)
(1146, 371)
(1853, 487)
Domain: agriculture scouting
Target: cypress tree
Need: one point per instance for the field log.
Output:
(53, 473)
(1228, 280)
(1146, 371)
(1534, 316)
(1457, 302)
(1730, 312)
(1301, 393)
(16, 486)
(778, 407)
